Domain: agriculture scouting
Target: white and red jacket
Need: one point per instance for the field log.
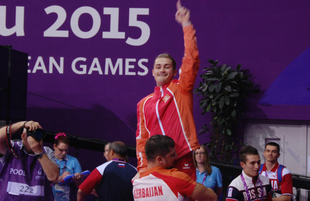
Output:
(169, 110)
(286, 184)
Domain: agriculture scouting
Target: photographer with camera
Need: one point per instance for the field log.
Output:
(26, 165)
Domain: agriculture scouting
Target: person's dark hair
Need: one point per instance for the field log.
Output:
(273, 144)
(168, 56)
(247, 150)
(61, 137)
(119, 148)
(158, 145)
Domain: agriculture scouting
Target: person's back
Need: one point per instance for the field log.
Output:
(162, 184)
(111, 180)
(116, 179)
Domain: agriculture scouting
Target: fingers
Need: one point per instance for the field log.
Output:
(31, 125)
(65, 173)
(179, 5)
(183, 16)
(77, 175)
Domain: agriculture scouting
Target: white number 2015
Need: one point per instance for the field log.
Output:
(113, 33)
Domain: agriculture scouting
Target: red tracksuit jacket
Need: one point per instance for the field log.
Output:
(169, 110)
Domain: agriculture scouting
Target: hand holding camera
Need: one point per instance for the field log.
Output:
(35, 135)
(34, 130)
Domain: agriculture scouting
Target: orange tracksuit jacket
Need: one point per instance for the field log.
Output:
(169, 110)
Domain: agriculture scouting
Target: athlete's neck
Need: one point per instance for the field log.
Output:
(270, 165)
(254, 179)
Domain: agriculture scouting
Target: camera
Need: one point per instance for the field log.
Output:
(37, 134)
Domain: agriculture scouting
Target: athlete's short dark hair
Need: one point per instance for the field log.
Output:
(247, 150)
(273, 144)
(158, 145)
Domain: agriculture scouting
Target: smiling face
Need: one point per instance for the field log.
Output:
(251, 166)
(271, 154)
(163, 71)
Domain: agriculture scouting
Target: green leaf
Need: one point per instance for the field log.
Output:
(212, 79)
(223, 67)
(238, 67)
(218, 87)
(228, 88)
(222, 100)
(233, 113)
(234, 95)
(228, 131)
(219, 95)
(203, 103)
(227, 101)
(208, 108)
(232, 75)
(227, 69)
(211, 88)
(204, 87)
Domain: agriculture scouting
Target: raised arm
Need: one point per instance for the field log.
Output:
(49, 167)
(14, 128)
(190, 62)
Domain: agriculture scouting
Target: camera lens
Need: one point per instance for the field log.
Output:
(38, 134)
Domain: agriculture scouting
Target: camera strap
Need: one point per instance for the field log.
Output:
(8, 141)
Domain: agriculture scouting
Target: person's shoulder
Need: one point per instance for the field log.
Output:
(264, 179)
(173, 172)
(214, 168)
(72, 158)
(178, 174)
(47, 149)
(131, 167)
(285, 170)
(103, 166)
(145, 98)
(237, 183)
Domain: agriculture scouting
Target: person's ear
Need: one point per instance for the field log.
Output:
(111, 152)
(242, 164)
(23, 135)
(159, 159)
(175, 72)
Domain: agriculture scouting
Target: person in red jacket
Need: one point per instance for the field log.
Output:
(169, 110)
(279, 175)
